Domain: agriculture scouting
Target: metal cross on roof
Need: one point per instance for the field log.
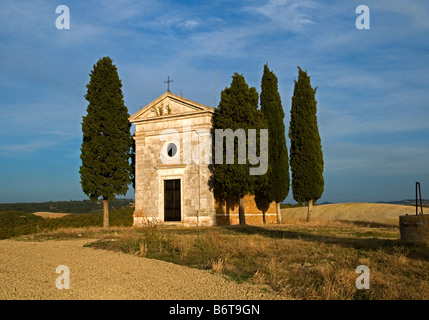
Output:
(168, 83)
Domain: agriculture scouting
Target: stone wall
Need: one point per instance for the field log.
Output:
(153, 166)
(227, 213)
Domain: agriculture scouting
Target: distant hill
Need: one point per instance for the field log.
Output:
(407, 202)
(73, 206)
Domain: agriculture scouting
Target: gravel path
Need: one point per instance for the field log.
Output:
(28, 271)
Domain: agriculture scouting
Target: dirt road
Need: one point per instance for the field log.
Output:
(28, 271)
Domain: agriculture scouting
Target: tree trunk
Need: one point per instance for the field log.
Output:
(279, 213)
(310, 210)
(105, 214)
(241, 216)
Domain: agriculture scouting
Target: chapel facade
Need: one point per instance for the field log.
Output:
(173, 168)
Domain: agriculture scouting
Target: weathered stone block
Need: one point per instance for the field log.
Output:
(414, 228)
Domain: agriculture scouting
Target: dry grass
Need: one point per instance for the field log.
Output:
(72, 233)
(218, 265)
(143, 248)
(299, 260)
(314, 260)
(387, 214)
(182, 244)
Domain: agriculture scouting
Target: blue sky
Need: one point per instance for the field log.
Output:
(373, 85)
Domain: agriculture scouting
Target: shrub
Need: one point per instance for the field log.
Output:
(16, 223)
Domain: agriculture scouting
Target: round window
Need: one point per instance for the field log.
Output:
(171, 150)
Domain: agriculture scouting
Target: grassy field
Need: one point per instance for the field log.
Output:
(299, 260)
(314, 260)
(72, 206)
(16, 223)
(386, 214)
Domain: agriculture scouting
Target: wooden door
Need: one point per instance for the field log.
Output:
(172, 203)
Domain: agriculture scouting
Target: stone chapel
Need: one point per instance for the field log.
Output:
(172, 171)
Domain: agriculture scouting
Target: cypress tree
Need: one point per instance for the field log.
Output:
(133, 161)
(105, 152)
(238, 109)
(306, 158)
(277, 187)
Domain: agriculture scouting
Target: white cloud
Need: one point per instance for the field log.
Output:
(226, 42)
(29, 147)
(190, 24)
(293, 15)
(122, 10)
(28, 20)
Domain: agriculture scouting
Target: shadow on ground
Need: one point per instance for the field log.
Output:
(363, 241)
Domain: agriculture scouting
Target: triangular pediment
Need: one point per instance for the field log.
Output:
(169, 105)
